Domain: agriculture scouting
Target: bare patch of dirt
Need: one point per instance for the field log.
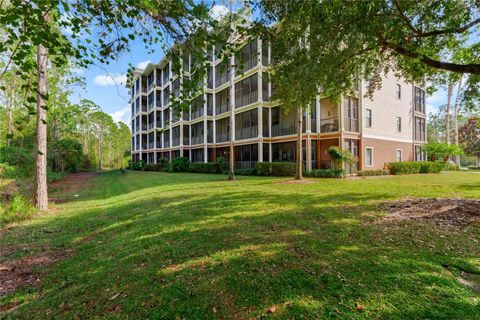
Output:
(16, 273)
(470, 280)
(72, 183)
(293, 181)
(442, 212)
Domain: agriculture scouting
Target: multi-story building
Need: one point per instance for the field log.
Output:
(390, 127)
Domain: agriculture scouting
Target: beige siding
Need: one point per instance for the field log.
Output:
(386, 107)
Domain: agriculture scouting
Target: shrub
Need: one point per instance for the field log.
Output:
(18, 208)
(54, 175)
(246, 172)
(450, 166)
(473, 167)
(18, 162)
(415, 167)
(326, 173)
(431, 167)
(136, 165)
(8, 172)
(404, 167)
(210, 167)
(369, 173)
(275, 168)
(153, 167)
(340, 156)
(180, 164)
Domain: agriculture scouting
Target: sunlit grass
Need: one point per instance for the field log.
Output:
(159, 245)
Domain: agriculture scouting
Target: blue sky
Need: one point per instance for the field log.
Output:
(105, 83)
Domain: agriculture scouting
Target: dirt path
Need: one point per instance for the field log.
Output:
(72, 183)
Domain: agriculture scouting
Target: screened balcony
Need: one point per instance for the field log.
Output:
(351, 121)
(223, 130)
(246, 125)
(329, 116)
(283, 123)
(246, 91)
(222, 101)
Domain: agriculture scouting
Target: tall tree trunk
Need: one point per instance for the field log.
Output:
(41, 160)
(447, 113)
(455, 119)
(299, 174)
(9, 118)
(100, 151)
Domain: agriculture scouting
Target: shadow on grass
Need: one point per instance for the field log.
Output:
(197, 250)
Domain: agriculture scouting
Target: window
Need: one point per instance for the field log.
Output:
(420, 154)
(368, 118)
(369, 157)
(419, 100)
(399, 155)
(399, 91)
(399, 124)
(420, 129)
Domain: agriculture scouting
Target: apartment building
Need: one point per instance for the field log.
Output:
(390, 127)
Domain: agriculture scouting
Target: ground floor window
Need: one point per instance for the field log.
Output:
(283, 152)
(420, 154)
(246, 156)
(197, 155)
(369, 157)
(399, 155)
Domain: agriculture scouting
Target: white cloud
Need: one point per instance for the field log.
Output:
(218, 11)
(122, 115)
(143, 64)
(111, 80)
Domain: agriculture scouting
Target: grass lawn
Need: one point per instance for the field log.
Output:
(161, 246)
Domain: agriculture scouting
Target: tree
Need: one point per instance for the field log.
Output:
(26, 25)
(441, 151)
(416, 39)
(469, 137)
(102, 124)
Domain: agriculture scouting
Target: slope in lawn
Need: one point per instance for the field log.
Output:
(194, 246)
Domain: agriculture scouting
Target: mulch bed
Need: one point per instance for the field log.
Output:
(440, 211)
(16, 273)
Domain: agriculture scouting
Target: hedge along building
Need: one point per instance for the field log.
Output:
(389, 127)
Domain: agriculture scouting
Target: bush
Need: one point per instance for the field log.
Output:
(18, 208)
(210, 167)
(246, 172)
(404, 167)
(415, 167)
(55, 175)
(326, 173)
(153, 167)
(450, 166)
(180, 164)
(136, 165)
(17, 162)
(8, 172)
(431, 167)
(275, 168)
(473, 167)
(369, 173)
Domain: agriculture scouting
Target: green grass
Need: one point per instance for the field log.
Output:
(195, 246)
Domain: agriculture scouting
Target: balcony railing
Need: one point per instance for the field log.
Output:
(329, 125)
(159, 124)
(249, 64)
(221, 108)
(246, 133)
(278, 130)
(222, 79)
(186, 142)
(150, 145)
(351, 124)
(144, 127)
(150, 125)
(246, 99)
(166, 143)
(198, 112)
(197, 139)
(159, 144)
(175, 141)
(144, 107)
(222, 137)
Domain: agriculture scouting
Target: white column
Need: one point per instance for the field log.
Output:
(318, 115)
(205, 141)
